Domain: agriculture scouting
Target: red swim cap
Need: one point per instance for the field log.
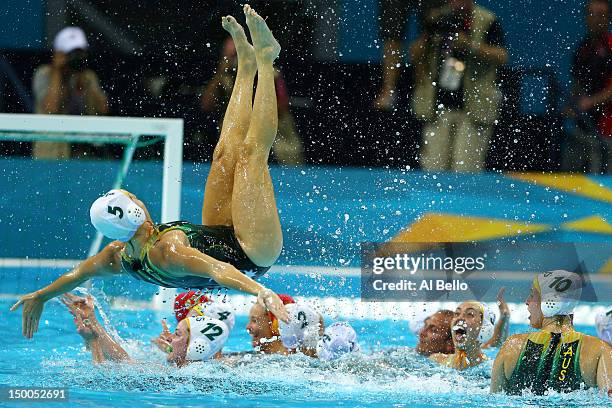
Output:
(185, 301)
(286, 299)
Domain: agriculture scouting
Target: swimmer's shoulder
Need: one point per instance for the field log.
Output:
(513, 345)
(110, 257)
(593, 351)
(593, 347)
(162, 253)
(170, 238)
(589, 341)
(514, 342)
(510, 351)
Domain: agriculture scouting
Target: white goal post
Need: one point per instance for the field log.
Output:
(118, 130)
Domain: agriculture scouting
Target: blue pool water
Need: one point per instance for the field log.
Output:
(387, 373)
(326, 213)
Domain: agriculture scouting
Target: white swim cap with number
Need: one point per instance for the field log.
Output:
(339, 339)
(218, 310)
(116, 216)
(302, 330)
(206, 337)
(603, 324)
(560, 291)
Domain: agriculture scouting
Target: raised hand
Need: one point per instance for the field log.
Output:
(504, 310)
(163, 341)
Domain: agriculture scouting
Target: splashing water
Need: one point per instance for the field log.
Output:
(388, 372)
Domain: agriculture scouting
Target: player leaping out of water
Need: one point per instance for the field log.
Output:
(241, 230)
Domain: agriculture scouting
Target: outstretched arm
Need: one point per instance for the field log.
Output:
(103, 347)
(105, 263)
(189, 261)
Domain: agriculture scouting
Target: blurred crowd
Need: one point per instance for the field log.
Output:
(455, 96)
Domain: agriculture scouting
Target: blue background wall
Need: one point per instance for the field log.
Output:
(22, 24)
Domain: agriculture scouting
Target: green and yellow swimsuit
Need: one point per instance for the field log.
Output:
(549, 361)
(218, 242)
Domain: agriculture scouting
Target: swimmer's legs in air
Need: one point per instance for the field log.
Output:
(217, 208)
(254, 212)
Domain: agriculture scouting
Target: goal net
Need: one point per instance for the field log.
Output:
(44, 211)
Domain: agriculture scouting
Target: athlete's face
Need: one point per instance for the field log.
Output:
(435, 336)
(179, 342)
(535, 309)
(466, 324)
(259, 326)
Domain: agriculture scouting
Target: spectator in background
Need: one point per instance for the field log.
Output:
(456, 94)
(66, 86)
(394, 15)
(591, 106)
(288, 146)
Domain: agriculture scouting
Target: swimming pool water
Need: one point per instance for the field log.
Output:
(386, 373)
(336, 209)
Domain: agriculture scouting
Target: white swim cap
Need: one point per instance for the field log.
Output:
(488, 324)
(339, 339)
(603, 324)
(560, 291)
(116, 216)
(218, 310)
(302, 330)
(206, 337)
(416, 325)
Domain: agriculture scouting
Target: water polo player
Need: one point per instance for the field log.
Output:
(241, 230)
(473, 324)
(303, 330)
(435, 335)
(556, 357)
(263, 327)
(194, 304)
(338, 340)
(197, 338)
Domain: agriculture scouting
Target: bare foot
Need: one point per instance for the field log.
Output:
(267, 48)
(245, 51)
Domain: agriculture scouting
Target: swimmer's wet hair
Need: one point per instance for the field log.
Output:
(448, 316)
(447, 313)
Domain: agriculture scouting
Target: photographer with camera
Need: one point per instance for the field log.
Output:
(66, 86)
(456, 94)
(394, 17)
